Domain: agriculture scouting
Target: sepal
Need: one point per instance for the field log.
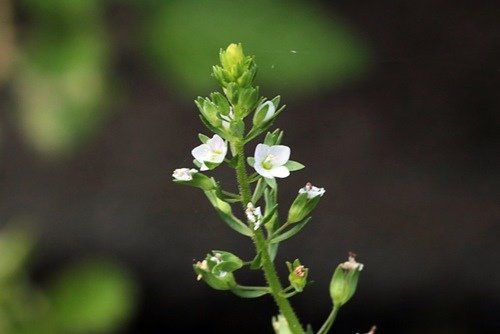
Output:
(298, 275)
(217, 268)
(307, 199)
(345, 280)
(193, 178)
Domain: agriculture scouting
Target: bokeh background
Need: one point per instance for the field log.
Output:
(393, 107)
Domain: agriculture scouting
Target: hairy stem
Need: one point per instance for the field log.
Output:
(261, 247)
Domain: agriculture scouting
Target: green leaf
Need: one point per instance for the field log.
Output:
(210, 127)
(293, 165)
(258, 129)
(197, 163)
(251, 161)
(271, 182)
(249, 292)
(289, 233)
(226, 213)
(259, 190)
(269, 214)
(201, 181)
(273, 250)
(211, 165)
(256, 262)
(233, 162)
(203, 138)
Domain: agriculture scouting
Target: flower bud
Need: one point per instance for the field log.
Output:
(305, 202)
(236, 67)
(345, 280)
(232, 57)
(209, 111)
(247, 99)
(298, 275)
(254, 215)
(264, 113)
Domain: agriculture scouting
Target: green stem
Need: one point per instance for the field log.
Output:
(261, 247)
(249, 287)
(329, 321)
(280, 229)
(230, 194)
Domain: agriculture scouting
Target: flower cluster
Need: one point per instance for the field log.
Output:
(225, 114)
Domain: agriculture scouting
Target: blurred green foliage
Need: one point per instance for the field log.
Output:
(62, 76)
(89, 297)
(61, 81)
(299, 49)
(92, 297)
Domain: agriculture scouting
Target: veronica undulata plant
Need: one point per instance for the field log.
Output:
(253, 211)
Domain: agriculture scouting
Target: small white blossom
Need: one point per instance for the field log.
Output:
(184, 174)
(270, 160)
(311, 191)
(203, 265)
(254, 215)
(213, 151)
(270, 110)
(351, 263)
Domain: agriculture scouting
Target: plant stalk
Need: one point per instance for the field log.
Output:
(259, 240)
(329, 321)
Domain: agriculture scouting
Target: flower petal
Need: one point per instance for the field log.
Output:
(281, 154)
(261, 152)
(202, 152)
(216, 143)
(280, 171)
(262, 171)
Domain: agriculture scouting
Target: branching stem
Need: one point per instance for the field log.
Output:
(260, 243)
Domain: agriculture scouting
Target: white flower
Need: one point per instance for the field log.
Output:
(311, 191)
(184, 174)
(213, 151)
(351, 263)
(254, 215)
(270, 160)
(203, 265)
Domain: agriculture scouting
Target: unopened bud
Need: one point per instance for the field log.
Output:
(232, 57)
(298, 275)
(264, 113)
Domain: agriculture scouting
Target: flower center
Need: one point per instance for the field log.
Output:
(268, 162)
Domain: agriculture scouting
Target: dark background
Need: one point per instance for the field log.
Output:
(408, 154)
